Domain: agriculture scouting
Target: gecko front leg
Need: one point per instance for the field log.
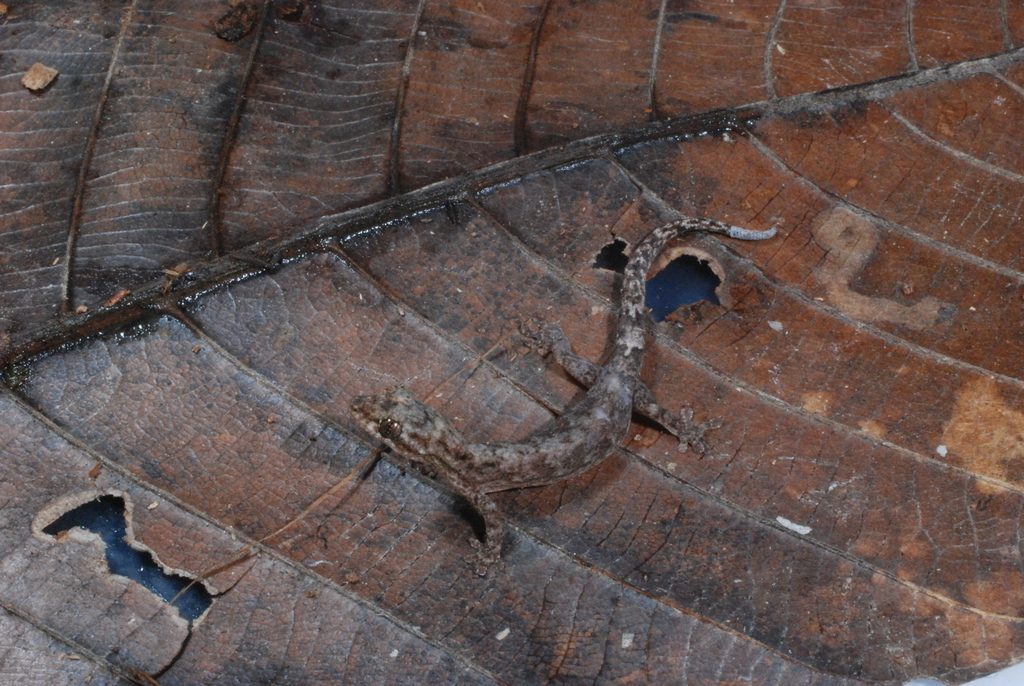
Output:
(420, 436)
(489, 551)
(550, 341)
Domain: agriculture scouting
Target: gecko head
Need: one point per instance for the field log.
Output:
(404, 424)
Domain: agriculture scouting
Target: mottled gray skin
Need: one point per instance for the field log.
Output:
(576, 441)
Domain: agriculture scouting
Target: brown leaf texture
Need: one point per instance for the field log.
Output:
(222, 222)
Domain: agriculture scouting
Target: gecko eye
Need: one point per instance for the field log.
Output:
(389, 427)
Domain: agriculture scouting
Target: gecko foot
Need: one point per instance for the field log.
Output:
(542, 339)
(487, 555)
(689, 434)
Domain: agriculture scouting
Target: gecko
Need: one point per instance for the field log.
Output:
(583, 436)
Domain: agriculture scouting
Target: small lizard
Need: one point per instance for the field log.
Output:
(583, 436)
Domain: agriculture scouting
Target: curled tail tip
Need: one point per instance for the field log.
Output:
(748, 235)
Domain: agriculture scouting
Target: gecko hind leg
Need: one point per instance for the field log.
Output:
(550, 340)
(679, 425)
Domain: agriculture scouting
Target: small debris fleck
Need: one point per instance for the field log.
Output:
(3, 10)
(56, 261)
(782, 50)
(196, 348)
(627, 639)
(290, 10)
(908, 289)
(38, 77)
(117, 297)
(152, 506)
(352, 578)
(95, 471)
(81, 309)
(503, 634)
(238, 22)
(777, 326)
(394, 652)
(942, 450)
(177, 270)
(799, 528)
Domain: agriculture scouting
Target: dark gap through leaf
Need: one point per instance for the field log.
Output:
(684, 281)
(105, 516)
(612, 257)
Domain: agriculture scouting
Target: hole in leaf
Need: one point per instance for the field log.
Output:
(612, 257)
(684, 281)
(105, 516)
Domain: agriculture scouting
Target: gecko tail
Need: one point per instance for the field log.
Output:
(685, 225)
(748, 235)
